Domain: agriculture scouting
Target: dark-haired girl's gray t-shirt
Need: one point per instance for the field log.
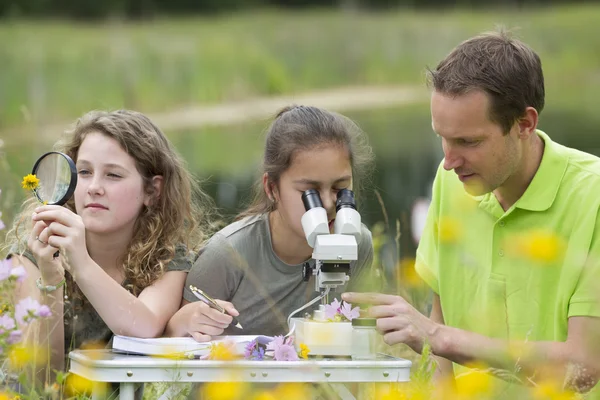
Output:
(238, 265)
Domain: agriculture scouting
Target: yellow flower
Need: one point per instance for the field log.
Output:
(4, 396)
(304, 350)
(264, 395)
(542, 246)
(224, 390)
(408, 274)
(449, 229)
(293, 391)
(221, 351)
(75, 385)
(474, 383)
(549, 390)
(21, 356)
(30, 182)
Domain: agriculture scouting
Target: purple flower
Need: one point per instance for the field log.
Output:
(6, 323)
(26, 310)
(283, 348)
(285, 353)
(349, 312)
(258, 353)
(249, 349)
(19, 273)
(5, 267)
(14, 337)
(44, 311)
(331, 310)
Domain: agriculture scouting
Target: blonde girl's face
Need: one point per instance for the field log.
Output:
(326, 169)
(110, 192)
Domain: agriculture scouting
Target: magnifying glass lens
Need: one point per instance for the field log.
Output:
(58, 178)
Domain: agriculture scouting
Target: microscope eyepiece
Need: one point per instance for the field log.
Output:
(311, 199)
(345, 198)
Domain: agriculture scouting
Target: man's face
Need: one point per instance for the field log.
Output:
(474, 147)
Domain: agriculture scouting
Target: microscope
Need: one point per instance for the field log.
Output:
(332, 254)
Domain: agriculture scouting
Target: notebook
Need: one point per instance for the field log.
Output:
(180, 346)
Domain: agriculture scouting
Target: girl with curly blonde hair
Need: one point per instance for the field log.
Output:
(125, 238)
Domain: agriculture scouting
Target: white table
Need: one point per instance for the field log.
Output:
(127, 370)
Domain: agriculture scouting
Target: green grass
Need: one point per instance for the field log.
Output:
(55, 71)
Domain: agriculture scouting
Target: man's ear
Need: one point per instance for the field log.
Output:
(157, 185)
(528, 123)
(269, 188)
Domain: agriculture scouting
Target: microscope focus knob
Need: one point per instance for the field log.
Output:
(306, 271)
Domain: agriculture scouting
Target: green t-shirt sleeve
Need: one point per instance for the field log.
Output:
(426, 263)
(182, 261)
(217, 271)
(585, 300)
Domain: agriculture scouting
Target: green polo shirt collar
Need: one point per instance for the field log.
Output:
(542, 190)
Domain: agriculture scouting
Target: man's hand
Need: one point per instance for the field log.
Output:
(397, 320)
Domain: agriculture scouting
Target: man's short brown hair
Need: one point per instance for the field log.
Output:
(508, 70)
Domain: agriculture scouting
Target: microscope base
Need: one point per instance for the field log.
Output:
(323, 338)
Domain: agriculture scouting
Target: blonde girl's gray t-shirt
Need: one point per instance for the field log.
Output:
(238, 265)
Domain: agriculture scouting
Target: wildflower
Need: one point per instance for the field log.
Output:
(349, 312)
(6, 323)
(28, 309)
(548, 390)
(449, 230)
(474, 383)
(5, 267)
(304, 350)
(262, 395)
(542, 246)
(14, 337)
(258, 353)
(21, 356)
(30, 182)
(77, 385)
(224, 351)
(224, 390)
(18, 273)
(44, 311)
(283, 348)
(254, 351)
(331, 310)
(293, 391)
(337, 311)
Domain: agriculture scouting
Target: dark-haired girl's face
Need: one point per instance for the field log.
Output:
(324, 168)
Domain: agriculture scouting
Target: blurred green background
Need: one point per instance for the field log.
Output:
(203, 70)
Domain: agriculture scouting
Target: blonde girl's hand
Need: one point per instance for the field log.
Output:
(50, 267)
(64, 230)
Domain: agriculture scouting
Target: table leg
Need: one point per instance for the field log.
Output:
(126, 391)
(341, 390)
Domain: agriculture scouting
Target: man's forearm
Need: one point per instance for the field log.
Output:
(525, 360)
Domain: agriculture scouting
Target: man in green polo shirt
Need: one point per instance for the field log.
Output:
(511, 246)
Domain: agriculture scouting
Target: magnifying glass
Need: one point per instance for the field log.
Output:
(58, 178)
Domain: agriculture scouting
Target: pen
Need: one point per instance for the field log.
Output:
(213, 304)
